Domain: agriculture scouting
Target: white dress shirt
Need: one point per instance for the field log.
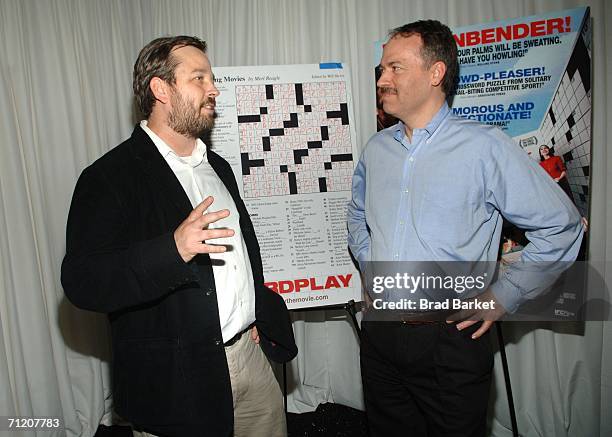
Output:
(232, 269)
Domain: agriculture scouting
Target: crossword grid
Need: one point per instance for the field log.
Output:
(567, 125)
(294, 138)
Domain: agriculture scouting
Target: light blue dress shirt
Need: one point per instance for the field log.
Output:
(441, 197)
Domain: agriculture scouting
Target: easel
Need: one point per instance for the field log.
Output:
(504, 361)
(350, 308)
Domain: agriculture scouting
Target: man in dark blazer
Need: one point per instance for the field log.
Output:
(182, 284)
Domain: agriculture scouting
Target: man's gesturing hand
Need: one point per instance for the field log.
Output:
(191, 235)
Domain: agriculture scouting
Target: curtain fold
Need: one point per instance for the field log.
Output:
(65, 88)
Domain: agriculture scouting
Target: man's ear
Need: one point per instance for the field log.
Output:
(160, 89)
(438, 69)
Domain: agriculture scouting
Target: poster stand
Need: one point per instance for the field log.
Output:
(350, 307)
(504, 361)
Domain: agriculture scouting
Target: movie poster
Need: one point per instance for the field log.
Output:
(530, 77)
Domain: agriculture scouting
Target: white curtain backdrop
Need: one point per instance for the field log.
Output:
(65, 93)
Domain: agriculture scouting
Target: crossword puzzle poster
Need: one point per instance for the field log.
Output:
(531, 77)
(288, 133)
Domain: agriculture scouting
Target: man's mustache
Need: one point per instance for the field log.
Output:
(210, 101)
(388, 90)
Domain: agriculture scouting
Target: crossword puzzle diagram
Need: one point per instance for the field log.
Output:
(294, 138)
(567, 125)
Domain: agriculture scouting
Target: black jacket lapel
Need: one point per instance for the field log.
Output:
(160, 175)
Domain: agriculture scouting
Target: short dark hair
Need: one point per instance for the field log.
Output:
(156, 60)
(438, 45)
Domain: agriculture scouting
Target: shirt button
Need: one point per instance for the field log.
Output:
(411, 159)
(401, 222)
(209, 292)
(217, 342)
(397, 255)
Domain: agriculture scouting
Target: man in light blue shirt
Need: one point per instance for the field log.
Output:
(434, 187)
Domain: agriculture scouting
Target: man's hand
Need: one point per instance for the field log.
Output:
(468, 317)
(191, 235)
(255, 335)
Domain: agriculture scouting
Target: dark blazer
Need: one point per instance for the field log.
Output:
(170, 375)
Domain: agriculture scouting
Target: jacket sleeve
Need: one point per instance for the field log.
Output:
(104, 270)
(274, 325)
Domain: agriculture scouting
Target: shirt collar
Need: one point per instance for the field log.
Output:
(197, 156)
(427, 131)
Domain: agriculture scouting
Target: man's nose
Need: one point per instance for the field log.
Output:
(213, 91)
(383, 80)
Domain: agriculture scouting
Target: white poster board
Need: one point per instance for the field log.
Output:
(287, 133)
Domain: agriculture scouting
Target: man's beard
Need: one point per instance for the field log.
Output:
(185, 119)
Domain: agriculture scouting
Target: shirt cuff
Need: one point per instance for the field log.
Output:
(507, 294)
